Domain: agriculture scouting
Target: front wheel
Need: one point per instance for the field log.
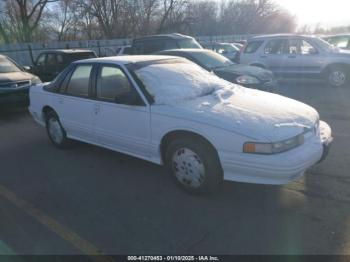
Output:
(337, 76)
(55, 131)
(195, 165)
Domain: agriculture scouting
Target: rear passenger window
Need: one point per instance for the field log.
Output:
(275, 47)
(112, 83)
(41, 60)
(59, 59)
(252, 47)
(152, 47)
(79, 82)
(51, 60)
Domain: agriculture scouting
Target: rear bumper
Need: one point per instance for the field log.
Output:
(15, 97)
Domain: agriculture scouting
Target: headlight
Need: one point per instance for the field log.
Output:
(273, 148)
(36, 80)
(247, 80)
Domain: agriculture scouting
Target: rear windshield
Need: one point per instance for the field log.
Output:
(7, 66)
(188, 43)
(252, 47)
(211, 60)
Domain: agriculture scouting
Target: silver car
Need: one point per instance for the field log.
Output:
(298, 56)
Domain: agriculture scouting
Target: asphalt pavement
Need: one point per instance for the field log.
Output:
(89, 200)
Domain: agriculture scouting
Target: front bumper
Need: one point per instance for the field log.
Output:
(14, 97)
(325, 133)
(278, 168)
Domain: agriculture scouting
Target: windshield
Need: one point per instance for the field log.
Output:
(324, 44)
(172, 83)
(188, 43)
(228, 48)
(211, 60)
(7, 66)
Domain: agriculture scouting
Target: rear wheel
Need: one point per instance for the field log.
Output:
(194, 165)
(55, 131)
(337, 76)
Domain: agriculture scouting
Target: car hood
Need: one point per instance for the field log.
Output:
(14, 77)
(239, 69)
(252, 113)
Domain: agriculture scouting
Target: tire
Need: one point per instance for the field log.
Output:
(194, 165)
(55, 131)
(337, 76)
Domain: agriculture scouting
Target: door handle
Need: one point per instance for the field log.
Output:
(291, 56)
(60, 100)
(263, 56)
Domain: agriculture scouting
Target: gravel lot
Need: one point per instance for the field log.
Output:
(88, 199)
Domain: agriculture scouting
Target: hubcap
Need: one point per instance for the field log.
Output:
(337, 78)
(55, 130)
(188, 167)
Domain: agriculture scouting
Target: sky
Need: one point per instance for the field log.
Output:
(328, 13)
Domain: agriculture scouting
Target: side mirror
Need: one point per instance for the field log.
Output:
(128, 98)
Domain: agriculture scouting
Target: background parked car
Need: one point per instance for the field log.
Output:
(155, 43)
(50, 63)
(238, 45)
(14, 83)
(341, 41)
(298, 56)
(123, 50)
(226, 49)
(249, 76)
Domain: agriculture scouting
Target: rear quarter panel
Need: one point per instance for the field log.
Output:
(39, 98)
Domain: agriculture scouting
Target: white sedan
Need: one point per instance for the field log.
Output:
(170, 111)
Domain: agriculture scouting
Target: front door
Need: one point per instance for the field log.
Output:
(122, 119)
(302, 58)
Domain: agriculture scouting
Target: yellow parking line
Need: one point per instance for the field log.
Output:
(64, 232)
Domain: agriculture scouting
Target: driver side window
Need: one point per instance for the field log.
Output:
(307, 48)
(112, 83)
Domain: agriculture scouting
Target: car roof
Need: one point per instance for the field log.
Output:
(68, 51)
(219, 43)
(262, 37)
(186, 50)
(128, 59)
(175, 36)
(336, 35)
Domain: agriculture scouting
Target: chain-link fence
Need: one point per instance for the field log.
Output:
(25, 53)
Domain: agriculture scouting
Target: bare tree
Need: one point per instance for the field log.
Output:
(29, 14)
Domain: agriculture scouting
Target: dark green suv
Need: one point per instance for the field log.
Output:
(154, 43)
(50, 63)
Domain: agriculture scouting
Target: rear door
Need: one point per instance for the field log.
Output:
(73, 104)
(274, 56)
